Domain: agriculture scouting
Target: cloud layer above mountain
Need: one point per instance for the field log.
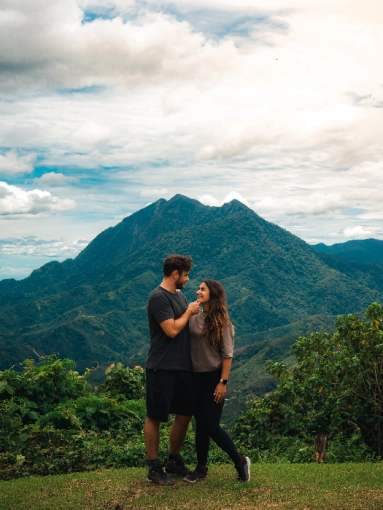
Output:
(107, 105)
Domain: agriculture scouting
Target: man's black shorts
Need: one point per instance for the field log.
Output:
(168, 392)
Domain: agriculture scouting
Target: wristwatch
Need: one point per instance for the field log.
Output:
(223, 381)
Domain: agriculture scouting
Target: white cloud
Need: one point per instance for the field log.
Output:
(160, 193)
(359, 231)
(230, 102)
(32, 246)
(90, 134)
(209, 200)
(102, 6)
(67, 53)
(14, 200)
(56, 179)
(11, 163)
(371, 215)
(313, 240)
(313, 203)
(234, 195)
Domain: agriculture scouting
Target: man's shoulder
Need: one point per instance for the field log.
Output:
(156, 296)
(156, 292)
(165, 294)
(161, 295)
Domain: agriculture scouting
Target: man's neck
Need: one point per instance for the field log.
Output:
(169, 285)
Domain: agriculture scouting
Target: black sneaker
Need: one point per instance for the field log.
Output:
(157, 475)
(244, 470)
(177, 467)
(197, 474)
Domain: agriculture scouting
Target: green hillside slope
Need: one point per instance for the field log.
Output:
(366, 251)
(93, 308)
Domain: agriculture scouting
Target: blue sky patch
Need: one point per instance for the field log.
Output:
(92, 89)
(100, 13)
(354, 211)
(216, 24)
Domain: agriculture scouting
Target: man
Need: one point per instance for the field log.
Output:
(168, 368)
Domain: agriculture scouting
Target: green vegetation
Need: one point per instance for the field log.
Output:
(93, 309)
(279, 486)
(335, 389)
(249, 374)
(52, 421)
(367, 251)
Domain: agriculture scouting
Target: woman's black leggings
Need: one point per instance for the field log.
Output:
(208, 416)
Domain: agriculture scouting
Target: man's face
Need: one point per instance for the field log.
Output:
(182, 279)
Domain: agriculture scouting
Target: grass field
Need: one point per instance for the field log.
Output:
(272, 486)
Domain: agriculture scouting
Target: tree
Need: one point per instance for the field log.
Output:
(335, 388)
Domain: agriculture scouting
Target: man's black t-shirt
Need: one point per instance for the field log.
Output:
(167, 353)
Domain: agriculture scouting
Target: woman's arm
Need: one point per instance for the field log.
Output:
(220, 390)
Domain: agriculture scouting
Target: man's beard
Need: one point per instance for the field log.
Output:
(179, 285)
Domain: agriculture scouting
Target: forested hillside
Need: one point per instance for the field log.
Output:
(93, 308)
(366, 251)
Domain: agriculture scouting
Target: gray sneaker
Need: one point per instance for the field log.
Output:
(244, 470)
(177, 467)
(157, 475)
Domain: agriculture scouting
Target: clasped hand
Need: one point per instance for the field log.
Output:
(194, 307)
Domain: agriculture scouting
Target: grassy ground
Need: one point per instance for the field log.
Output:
(272, 486)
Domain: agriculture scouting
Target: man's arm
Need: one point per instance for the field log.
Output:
(172, 327)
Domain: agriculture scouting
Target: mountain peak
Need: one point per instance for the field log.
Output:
(180, 204)
(181, 198)
(236, 205)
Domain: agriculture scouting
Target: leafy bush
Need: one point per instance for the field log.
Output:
(83, 429)
(129, 382)
(46, 384)
(51, 421)
(335, 389)
(92, 413)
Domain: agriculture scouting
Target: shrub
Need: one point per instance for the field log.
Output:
(129, 382)
(334, 389)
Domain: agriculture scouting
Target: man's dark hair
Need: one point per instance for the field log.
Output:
(178, 263)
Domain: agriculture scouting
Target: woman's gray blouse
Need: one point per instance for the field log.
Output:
(205, 357)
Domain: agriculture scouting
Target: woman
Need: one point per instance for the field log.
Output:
(211, 345)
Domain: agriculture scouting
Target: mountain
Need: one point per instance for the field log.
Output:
(366, 251)
(93, 308)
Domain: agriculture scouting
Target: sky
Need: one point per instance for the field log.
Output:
(107, 106)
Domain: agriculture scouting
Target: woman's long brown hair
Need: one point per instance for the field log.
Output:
(217, 316)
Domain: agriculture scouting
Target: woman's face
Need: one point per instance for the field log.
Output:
(203, 293)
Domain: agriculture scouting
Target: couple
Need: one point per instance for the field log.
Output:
(187, 369)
